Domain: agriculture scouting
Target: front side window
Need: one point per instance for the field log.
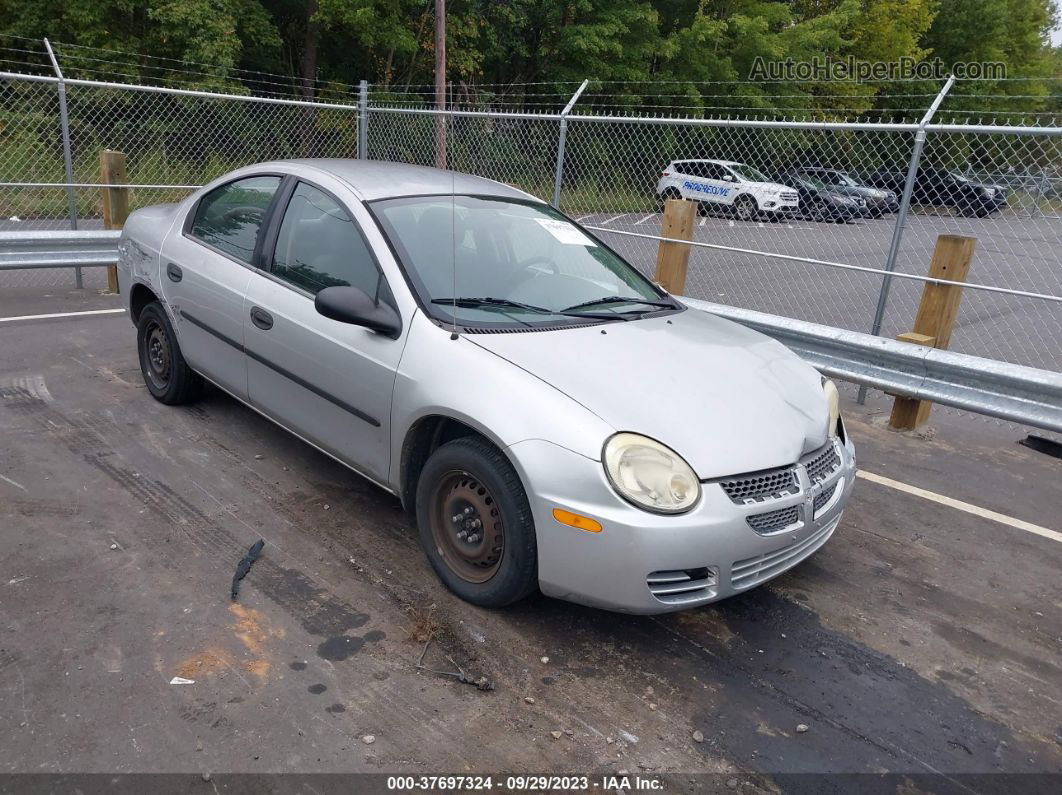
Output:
(319, 246)
(749, 173)
(229, 218)
(478, 260)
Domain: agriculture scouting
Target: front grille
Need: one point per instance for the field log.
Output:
(753, 571)
(682, 585)
(788, 196)
(823, 464)
(824, 497)
(773, 521)
(759, 486)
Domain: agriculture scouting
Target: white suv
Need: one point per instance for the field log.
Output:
(737, 187)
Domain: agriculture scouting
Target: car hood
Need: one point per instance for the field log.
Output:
(861, 190)
(778, 186)
(727, 399)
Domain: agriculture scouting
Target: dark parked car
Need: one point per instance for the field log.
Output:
(937, 187)
(819, 202)
(879, 201)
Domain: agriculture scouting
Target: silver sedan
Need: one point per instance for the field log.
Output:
(552, 418)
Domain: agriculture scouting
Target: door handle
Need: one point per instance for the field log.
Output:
(261, 318)
(174, 273)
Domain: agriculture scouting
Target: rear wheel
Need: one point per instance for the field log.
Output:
(475, 523)
(669, 193)
(167, 375)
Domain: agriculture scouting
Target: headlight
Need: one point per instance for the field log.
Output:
(649, 474)
(833, 403)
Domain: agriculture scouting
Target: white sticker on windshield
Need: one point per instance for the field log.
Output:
(565, 233)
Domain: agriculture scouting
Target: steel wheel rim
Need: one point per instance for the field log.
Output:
(467, 526)
(157, 354)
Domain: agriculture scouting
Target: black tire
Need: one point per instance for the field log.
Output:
(472, 466)
(746, 209)
(167, 375)
(669, 193)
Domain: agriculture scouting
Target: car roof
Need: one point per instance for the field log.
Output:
(378, 179)
(707, 160)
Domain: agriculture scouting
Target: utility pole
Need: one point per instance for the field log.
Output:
(440, 83)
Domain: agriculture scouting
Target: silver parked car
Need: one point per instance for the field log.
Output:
(553, 418)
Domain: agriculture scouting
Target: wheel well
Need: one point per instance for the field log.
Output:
(423, 439)
(140, 297)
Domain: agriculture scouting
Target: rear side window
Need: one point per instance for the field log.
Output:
(319, 246)
(228, 218)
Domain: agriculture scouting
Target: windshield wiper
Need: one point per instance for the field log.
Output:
(620, 299)
(475, 303)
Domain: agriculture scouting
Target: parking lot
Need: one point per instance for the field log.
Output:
(1020, 256)
(923, 640)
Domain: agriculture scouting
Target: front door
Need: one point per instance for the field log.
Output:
(327, 381)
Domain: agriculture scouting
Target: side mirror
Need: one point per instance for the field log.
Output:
(353, 306)
(728, 178)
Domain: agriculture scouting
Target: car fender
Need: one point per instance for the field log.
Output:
(440, 375)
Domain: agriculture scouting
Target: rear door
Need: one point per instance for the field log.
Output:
(327, 381)
(206, 266)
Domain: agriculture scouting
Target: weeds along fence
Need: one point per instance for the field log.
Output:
(603, 171)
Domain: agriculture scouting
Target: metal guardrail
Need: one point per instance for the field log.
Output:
(997, 389)
(985, 386)
(65, 249)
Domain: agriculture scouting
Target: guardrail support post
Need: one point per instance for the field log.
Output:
(672, 259)
(935, 318)
(115, 200)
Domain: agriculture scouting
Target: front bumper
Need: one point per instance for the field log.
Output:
(784, 207)
(647, 563)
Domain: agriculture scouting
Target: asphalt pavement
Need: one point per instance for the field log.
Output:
(923, 641)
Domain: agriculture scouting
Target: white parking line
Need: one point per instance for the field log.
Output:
(702, 222)
(582, 218)
(644, 220)
(959, 505)
(613, 218)
(62, 314)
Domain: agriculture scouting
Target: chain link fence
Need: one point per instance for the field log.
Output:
(606, 172)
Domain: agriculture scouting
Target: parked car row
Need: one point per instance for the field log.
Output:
(818, 193)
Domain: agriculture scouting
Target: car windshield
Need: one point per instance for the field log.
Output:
(749, 173)
(843, 179)
(490, 261)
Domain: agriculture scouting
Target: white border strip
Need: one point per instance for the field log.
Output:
(62, 314)
(959, 505)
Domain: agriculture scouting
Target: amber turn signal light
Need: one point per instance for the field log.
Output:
(576, 521)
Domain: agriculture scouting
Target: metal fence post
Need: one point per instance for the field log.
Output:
(562, 137)
(901, 217)
(68, 159)
(363, 120)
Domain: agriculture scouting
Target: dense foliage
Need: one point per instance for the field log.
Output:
(655, 53)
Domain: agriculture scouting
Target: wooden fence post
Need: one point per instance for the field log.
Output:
(935, 318)
(672, 259)
(115, 200)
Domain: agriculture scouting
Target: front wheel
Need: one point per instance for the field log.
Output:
(746, 208)
(475, 523)
(167, 375)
